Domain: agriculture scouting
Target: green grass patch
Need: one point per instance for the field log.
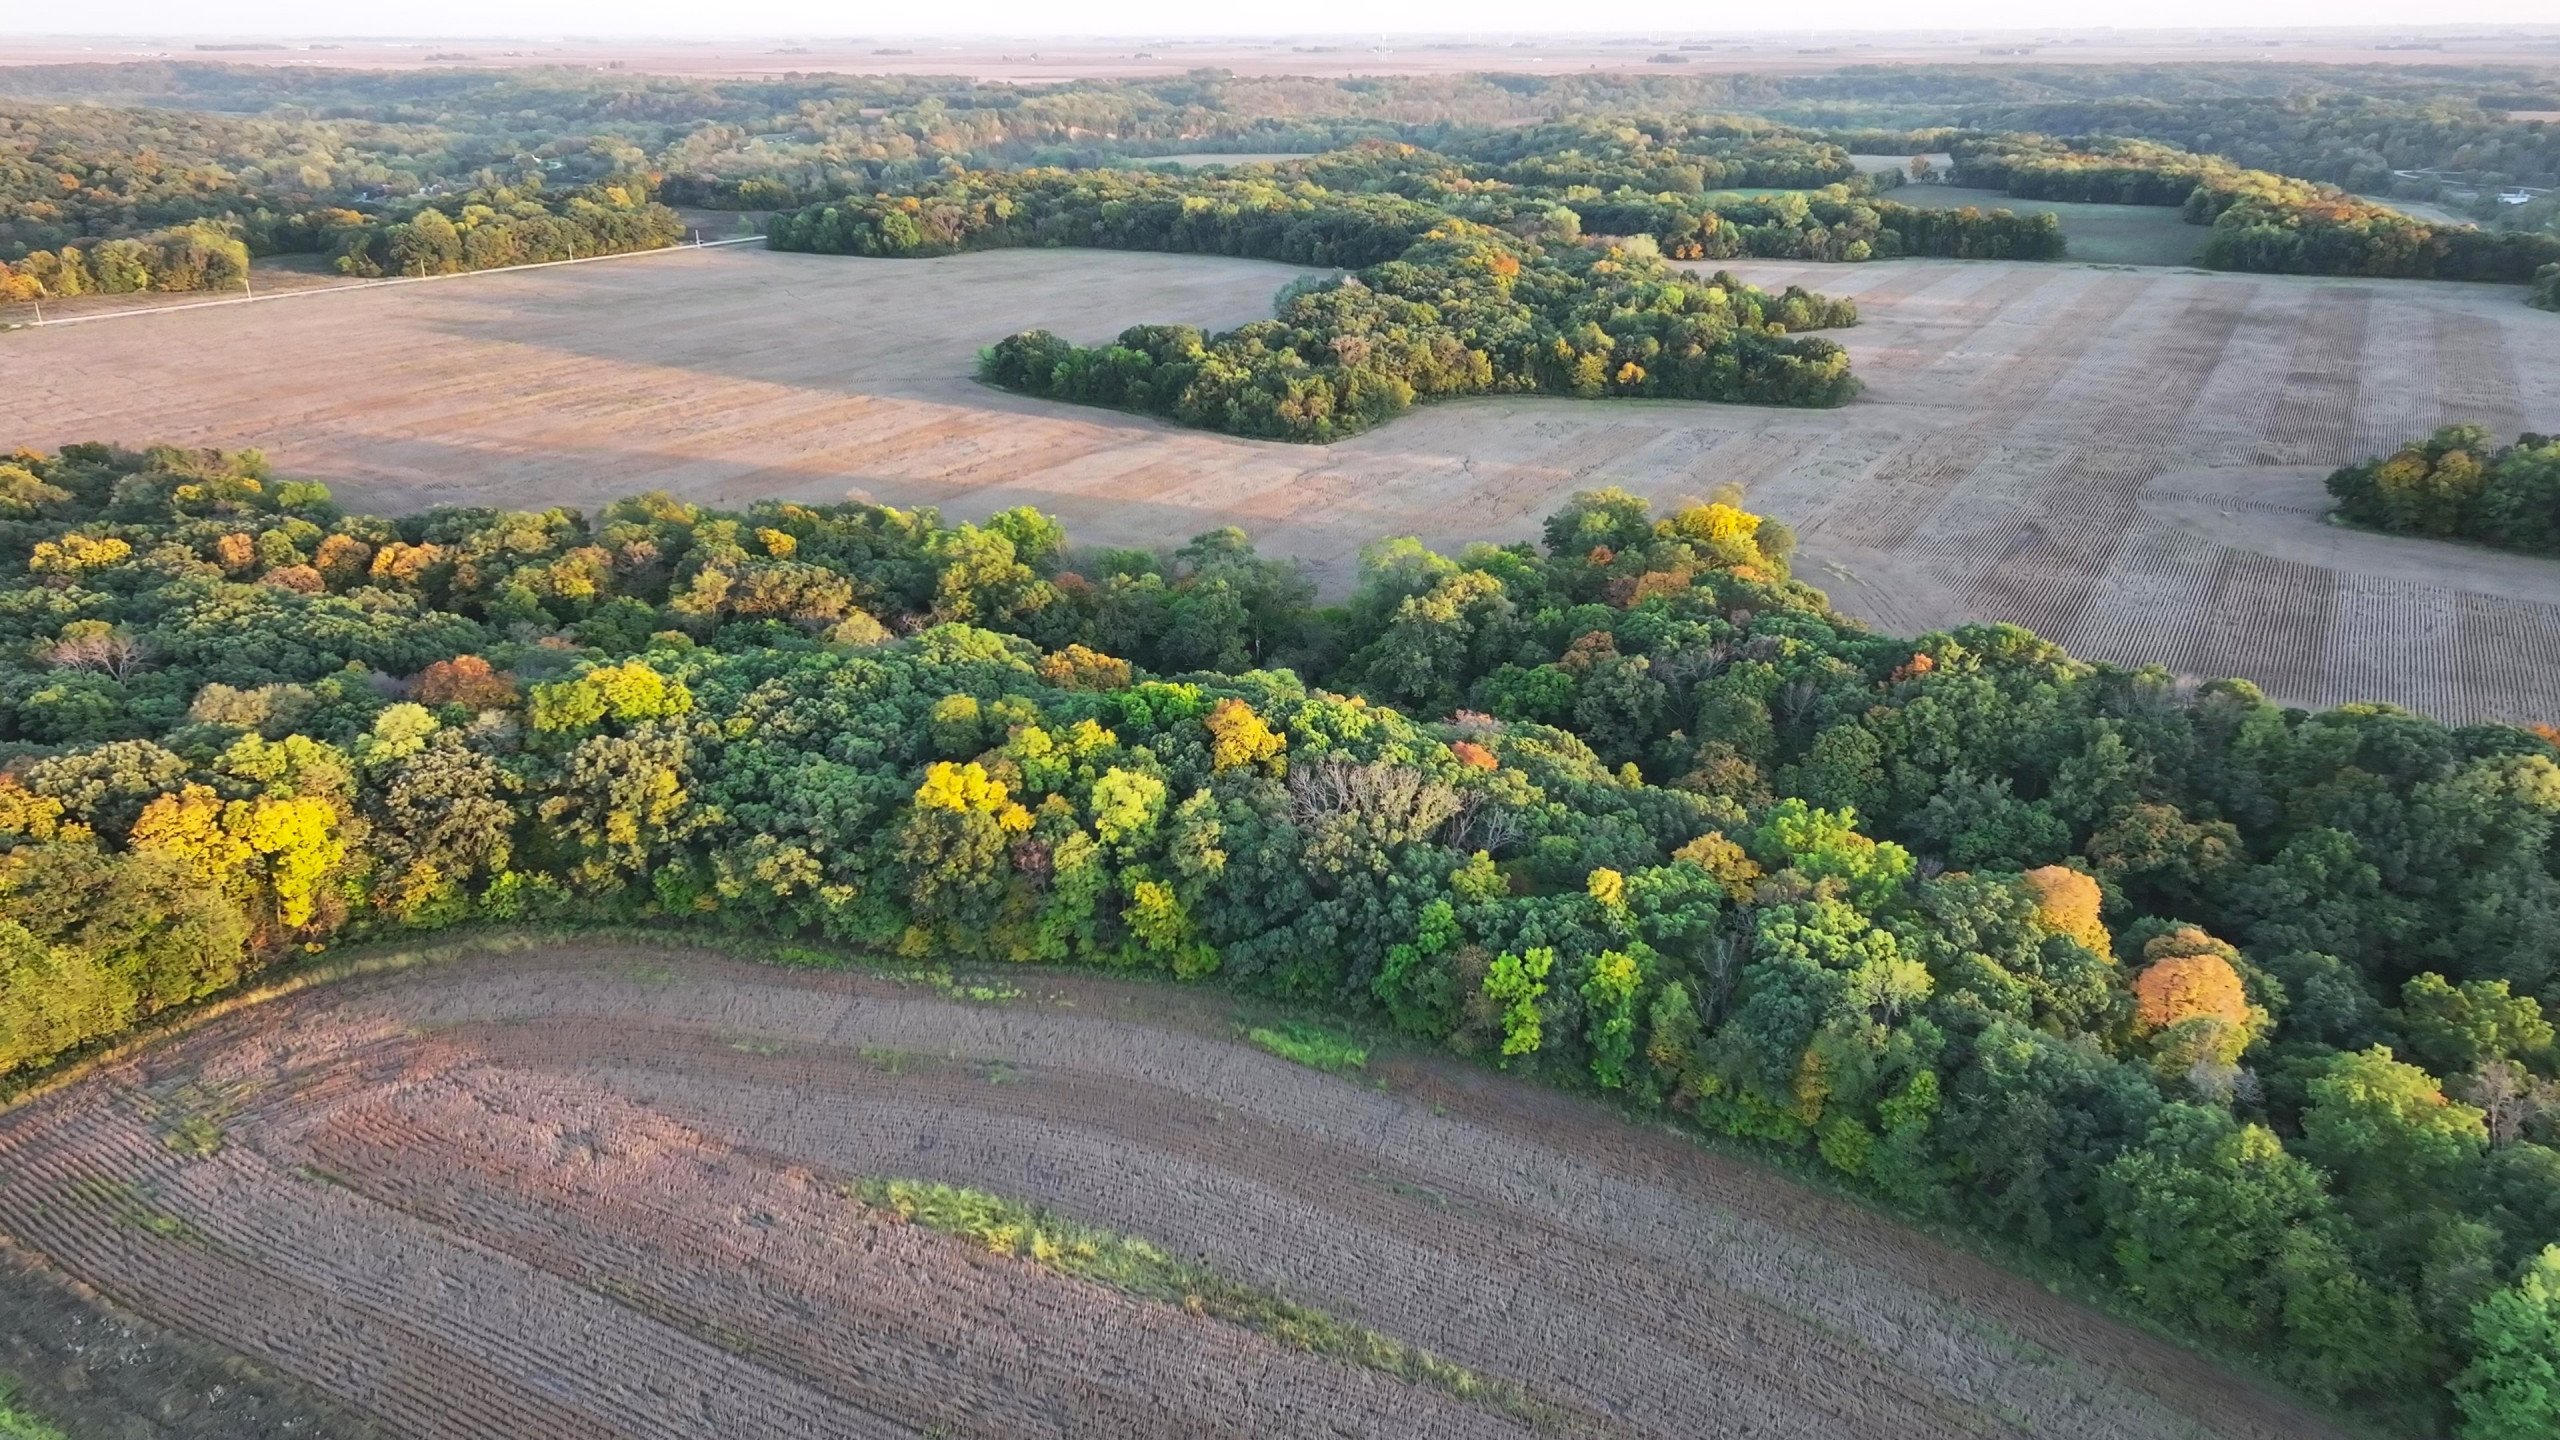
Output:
(135, 1206)
(1310, 1045)
(190, 1117)
(199, 1136)
(1134, 1267)
(19, 1423)
(950, 989)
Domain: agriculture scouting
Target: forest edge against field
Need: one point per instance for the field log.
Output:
(1320, 1039)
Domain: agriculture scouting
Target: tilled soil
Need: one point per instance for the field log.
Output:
(98, 1373)
(2000, 465)
(598, 1191)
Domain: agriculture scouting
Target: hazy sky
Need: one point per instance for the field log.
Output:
(1170, 17)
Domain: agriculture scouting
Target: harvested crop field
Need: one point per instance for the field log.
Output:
(2006, 462)
(601, 1191)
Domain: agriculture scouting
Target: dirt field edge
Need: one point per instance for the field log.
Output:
(387, 958)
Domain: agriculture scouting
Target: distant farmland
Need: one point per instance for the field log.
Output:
(2126, 461)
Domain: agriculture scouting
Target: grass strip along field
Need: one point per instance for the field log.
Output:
(1134, 1267)
(1313, 1046)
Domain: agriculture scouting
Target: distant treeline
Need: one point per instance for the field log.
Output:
(161, 143)
(108, 200)
(189, 257)
(2261, 221)
(491, 229)
(2456, 485)
(1827, 224)
(1654, 154)
(1629, 154)
(1642, 176)
(1113, 210)
(2354, 141)
(481, 230)
(1366, 204)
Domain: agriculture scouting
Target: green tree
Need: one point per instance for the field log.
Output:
(2386, 1130)
(1515, 984)
(1609, 997)
(2511, 1388)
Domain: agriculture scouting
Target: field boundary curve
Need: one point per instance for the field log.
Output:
(373, 284)
(901, 1068)
(389, 958)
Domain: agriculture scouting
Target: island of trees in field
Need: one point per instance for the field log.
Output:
(1474, 272)
(2458, 484)
(2242, 1011)
(1440, 306)
(1461, 314)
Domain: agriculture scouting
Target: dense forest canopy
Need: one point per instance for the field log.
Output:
(319, 132)
(70, 172)
(97, 200)
(2241, 1010)
(76, 172)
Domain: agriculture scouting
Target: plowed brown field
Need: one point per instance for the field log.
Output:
(596, 1191)
(2006, 462)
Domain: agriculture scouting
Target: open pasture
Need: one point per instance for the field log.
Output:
(2063, 446)
(602, 1191)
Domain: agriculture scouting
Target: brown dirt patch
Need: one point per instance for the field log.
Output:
(1998, 468)
(99, 1373)
(593, 1190)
